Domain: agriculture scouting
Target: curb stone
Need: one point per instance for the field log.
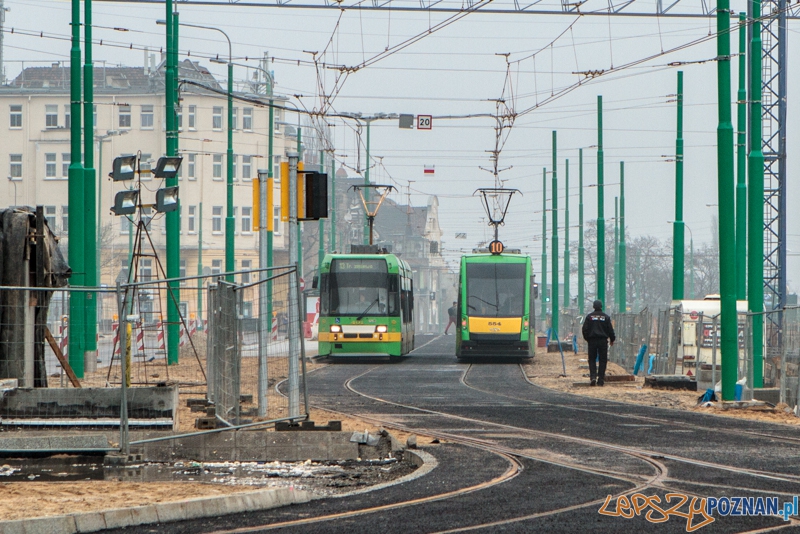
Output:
(157, 513)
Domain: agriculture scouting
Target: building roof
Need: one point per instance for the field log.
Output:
(56, 78)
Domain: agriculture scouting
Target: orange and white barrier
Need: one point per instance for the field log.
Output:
(115, 343)
(161, 344)
(274, 336)
(64, 343)
(140, 339)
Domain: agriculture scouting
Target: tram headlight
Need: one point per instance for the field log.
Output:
(381, 329)
(335, 328)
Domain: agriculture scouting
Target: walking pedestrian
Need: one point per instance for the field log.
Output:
(598, 331)
(451, 312)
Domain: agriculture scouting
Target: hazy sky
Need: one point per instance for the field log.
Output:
(460, 70)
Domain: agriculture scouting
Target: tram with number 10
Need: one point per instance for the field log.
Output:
(495, 311)
(366, 306)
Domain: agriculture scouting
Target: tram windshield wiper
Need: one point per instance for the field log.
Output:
(373, 303)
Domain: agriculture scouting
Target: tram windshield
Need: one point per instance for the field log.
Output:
(495, 289)
(359, 287)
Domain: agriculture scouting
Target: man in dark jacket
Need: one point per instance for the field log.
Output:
(598, 331)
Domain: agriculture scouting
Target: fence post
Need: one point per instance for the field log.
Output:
(714, 339)
(783, 369)
(295, 329)
(124, 439)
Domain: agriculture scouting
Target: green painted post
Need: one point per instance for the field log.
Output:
(581, 252)
(544, 248)
(321, 253)
(299, 223)
(366, 189)
(616, 254)
(270, 205)
(76, 195)
(230, 220)
(89, 189)
(755, 208)
(566, 237)
(741, 167)
(727, 234)
(623, 247)
(554, 208)
(200, 267)
(333, 204)
(600, 288)
(173, 218)
(678, 231)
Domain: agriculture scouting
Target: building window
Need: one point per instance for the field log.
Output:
(15, 116)
(145, 165)
(247, 218)
(124, 116)
(235, 161)
(180, 118)
(216, 118)
(235, 121)
(15, 166)
(247, 119)
(235, 214)
(246, 266)
(65, 161)
(123, 268)
(216, 266)
(50, 217)
(192, 115)
(246, 173)
(50, 166)
(276, 219)
(124, 225)
(217, 167)
(51, 116)
(65, 219)
(67, 116)
(216, 219)
(145, 270)
(192, 210)
(147, 117)
(182, 271)
(190, 166)
(94, 115)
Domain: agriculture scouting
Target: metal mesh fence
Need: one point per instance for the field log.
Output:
(632, 331)
(239, 361)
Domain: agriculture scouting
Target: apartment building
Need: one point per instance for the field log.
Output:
(129, 119)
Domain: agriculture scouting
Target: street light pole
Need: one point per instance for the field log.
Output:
(600, 289)
(677, 227)
(581, 252)
(554, 268)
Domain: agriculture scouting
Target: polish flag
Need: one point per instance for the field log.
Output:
(429, 169)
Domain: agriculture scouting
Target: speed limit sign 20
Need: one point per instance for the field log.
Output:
(424, 122)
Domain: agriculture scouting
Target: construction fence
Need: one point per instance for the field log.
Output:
(236, 357)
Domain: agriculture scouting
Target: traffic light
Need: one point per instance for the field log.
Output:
(316, 196)
(535, 290)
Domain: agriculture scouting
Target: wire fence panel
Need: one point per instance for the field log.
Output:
(632, 331)
(239, 357)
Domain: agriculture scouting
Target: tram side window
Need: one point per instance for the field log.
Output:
(325, 296)
(393, 295)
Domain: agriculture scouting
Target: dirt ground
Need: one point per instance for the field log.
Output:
(31, 499)
(546, 370)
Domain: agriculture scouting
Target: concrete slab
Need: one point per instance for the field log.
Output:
(89, 521)
(118, 518)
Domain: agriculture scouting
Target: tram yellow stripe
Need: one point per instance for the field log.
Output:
(495, 325)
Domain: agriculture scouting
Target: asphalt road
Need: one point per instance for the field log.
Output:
(565, 455)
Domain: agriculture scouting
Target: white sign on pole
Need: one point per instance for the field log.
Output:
(424, 122)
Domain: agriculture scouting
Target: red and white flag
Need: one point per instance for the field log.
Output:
(429, 169)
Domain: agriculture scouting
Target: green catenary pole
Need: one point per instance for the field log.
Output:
(678, 231)
(623, 248)
(755, 208)
(269, 205)
(173, 218)
(201, 324)
(554, 268)
(727, 235)
(230, 220)
(600, 288)
(321, 253)
(616, 254)
(544, 248)
(299, 223)
(366, 189)
(741, 167)
(90, 188)
(76, 196)
(581, 252)
(567, 296)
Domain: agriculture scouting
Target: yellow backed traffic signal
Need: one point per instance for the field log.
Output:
(301, 195)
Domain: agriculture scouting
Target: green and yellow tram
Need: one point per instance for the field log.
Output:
(366, 306)
(495, 306)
